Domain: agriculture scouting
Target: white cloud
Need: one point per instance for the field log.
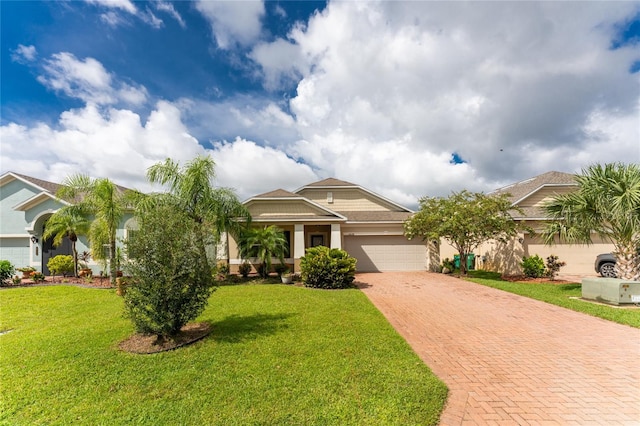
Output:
(125, 5)
(252, 169)
(233, 22)
(390, 90)
(88, 80)
(24, 54)
(114, 143)
(168, 8)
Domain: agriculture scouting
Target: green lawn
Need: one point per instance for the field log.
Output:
(560, 295)
(277, 355)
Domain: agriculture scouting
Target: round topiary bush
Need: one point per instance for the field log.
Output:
(323, 267)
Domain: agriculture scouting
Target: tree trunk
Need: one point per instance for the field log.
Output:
(463, 263)
(75, 258)
(627, 262)
(112, 261)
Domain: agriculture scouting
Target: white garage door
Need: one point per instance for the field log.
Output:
(386, 253)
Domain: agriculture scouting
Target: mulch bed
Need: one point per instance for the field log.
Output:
(529, 280)
(148, 344)
(95, 282)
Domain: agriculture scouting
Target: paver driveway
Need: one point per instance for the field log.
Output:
(509, 359)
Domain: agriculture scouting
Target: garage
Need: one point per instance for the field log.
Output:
(386, 253)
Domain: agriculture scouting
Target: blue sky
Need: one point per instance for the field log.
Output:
(405, 98)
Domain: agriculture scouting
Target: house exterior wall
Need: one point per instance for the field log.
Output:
(545, 194)
(268, 209)
(346, 199)
(11, 194)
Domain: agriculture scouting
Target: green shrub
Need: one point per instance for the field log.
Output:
(6, 272)
(553, 266)
(323, 267)
(61, 264)
(37, 277)
(244, 269)
(533, 266)
(281, 269)
(171, 281)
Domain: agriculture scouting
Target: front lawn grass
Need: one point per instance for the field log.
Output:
(276, 355)
(560, 295)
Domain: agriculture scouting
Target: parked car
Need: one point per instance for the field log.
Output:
(605, 265)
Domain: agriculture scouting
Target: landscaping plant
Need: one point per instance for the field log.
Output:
(323, 267)
(6, 272)
(244, 269)
(465, 220)
(171, 282)
(62, 264)
(553, 266)
(533, 266)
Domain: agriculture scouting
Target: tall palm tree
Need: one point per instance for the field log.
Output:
(265, 244)
(106, 203)
(607, 203)
(191, 188)
(68, 222)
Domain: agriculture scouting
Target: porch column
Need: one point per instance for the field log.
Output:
(298, 245)
(298, 241)
(336, 237)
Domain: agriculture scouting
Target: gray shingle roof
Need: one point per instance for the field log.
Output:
(331, 182)
(523, 188)
(46, 185)
(278, 193)
(375, 216)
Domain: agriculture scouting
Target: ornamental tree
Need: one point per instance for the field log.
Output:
(464, 219)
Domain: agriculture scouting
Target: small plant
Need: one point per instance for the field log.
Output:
(88, 279)
(448, 264)
(6, 271)
(61, 264)
(244, 269)
(26, 269)
(553, 266)
(37, 277)
(533, 266)
(323, 267)
(281, 269)
(16, 280)
(222, 269)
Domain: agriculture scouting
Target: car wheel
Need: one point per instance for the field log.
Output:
(608, 270)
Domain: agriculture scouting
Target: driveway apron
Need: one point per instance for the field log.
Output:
(512, 360)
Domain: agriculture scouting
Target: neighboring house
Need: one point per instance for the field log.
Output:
(26, 203)
(529, 195)
(338, 214)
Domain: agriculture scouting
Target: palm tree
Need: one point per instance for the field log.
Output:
(106, 203)
(265, 244)
(607, 203)
(68, 222)
(191, 188)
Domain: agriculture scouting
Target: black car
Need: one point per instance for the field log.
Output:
(605, 265)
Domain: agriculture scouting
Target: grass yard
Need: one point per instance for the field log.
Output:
(277, 355)
(560, 295)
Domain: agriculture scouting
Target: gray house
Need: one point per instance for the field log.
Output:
(26, 203)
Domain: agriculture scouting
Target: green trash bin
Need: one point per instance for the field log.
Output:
(471, 261)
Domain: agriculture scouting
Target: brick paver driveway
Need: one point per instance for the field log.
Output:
(512, 360)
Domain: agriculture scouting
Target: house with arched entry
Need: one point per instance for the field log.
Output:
(26, 203)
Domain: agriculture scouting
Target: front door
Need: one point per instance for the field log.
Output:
(49, 251)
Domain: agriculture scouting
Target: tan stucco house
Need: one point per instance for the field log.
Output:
(338, 214)
(529, 195)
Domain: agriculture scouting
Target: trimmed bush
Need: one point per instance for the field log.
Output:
(533, 266)
(244, 269)
(553, 266)
(323, 267)
(171, 282)
(61, 264)
(6, 272)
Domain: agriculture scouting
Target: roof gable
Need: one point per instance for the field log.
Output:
(523, 189)
(39, 184)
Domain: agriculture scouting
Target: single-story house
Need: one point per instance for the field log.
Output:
(338, 214)
(26, 203)
(530, 195)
